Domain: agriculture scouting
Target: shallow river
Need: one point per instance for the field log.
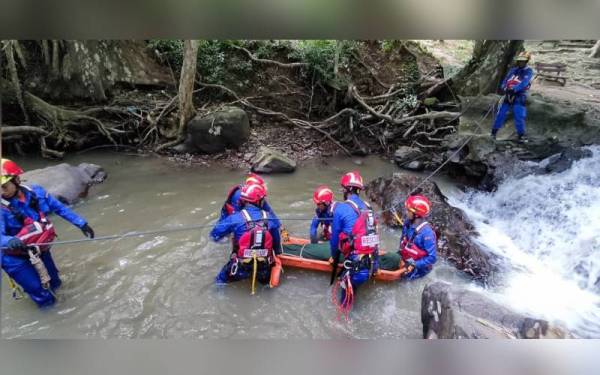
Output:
(162, 286)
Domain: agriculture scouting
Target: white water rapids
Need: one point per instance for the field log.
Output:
(548, 228)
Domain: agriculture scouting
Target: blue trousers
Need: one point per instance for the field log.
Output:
(519, 113)
(244, 271)
(23, 273)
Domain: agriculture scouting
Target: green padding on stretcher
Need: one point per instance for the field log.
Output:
(320, 251)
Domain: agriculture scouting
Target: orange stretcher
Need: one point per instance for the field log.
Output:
(324, 266)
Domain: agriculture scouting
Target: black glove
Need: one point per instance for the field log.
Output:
(87, 231)
(15, 243)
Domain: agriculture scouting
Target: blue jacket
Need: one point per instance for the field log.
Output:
(235, 201)
(10, 225)
(321, 218)
(236, 224)
(426, 240)
(524, 75)
(344, 218)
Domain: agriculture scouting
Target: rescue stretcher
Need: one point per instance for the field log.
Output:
(300, 253)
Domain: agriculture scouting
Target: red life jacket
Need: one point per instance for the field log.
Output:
(408, 250)
(228, 206)
(32, 231)
(364, 238)
(514, 81)
(257, 239)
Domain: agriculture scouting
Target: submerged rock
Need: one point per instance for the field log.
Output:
(227, 128)
(66, 182)
(449, 312)
(268, 160)
(455, 229)
(563, 161)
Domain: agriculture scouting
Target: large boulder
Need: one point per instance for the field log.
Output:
(455, 229)
(553, 126)
(449, 312)
(66, 182)
(268, 160)
(213, 133)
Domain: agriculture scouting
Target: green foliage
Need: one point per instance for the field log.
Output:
(216, 63)
(320, 56)
(170, 50)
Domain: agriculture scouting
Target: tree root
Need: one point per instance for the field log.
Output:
(268, 61)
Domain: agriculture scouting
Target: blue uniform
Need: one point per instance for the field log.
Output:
(324, 218)
(20, 268)
(236, 203)
(344, 217)
(523, 76)
(236, 224)
(425, 239)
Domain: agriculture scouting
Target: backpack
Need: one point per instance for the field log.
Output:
(364, 238)
(257, 240)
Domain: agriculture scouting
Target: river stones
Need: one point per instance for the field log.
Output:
(268, 160)
(66, 182)
(455, 241)
(450, 312)
(213, 133)
(409, 158)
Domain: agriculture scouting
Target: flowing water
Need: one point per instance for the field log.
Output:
(548, 226)
(162, 286)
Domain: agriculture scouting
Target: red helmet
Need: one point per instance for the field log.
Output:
(10, 169)
(323, 194)
(254, 179)
(253, 193)
(418, 204)
(352, 179)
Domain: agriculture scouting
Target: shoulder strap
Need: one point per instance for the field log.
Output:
(265, 217)
(421, 226)
(354, 206)
(246, 216)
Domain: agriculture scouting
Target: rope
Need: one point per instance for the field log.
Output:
(254, 272)
(203, 226)
(17, 291)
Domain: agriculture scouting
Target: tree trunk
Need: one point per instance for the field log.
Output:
(596, 50)
(486, 69)
(186, 88)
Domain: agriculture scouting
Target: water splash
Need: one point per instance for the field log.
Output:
(548, 227)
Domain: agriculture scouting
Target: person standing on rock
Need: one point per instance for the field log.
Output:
(24, 223)
(233, 203)
(418, 244)
(323, 198)
(514, 87)
(353, 235)
(256, 239)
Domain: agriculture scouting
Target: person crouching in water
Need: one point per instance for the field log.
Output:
(323, 198)
(418, 244)
(353, 234)
(24, 223)
(233, 203)
(256, 239)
